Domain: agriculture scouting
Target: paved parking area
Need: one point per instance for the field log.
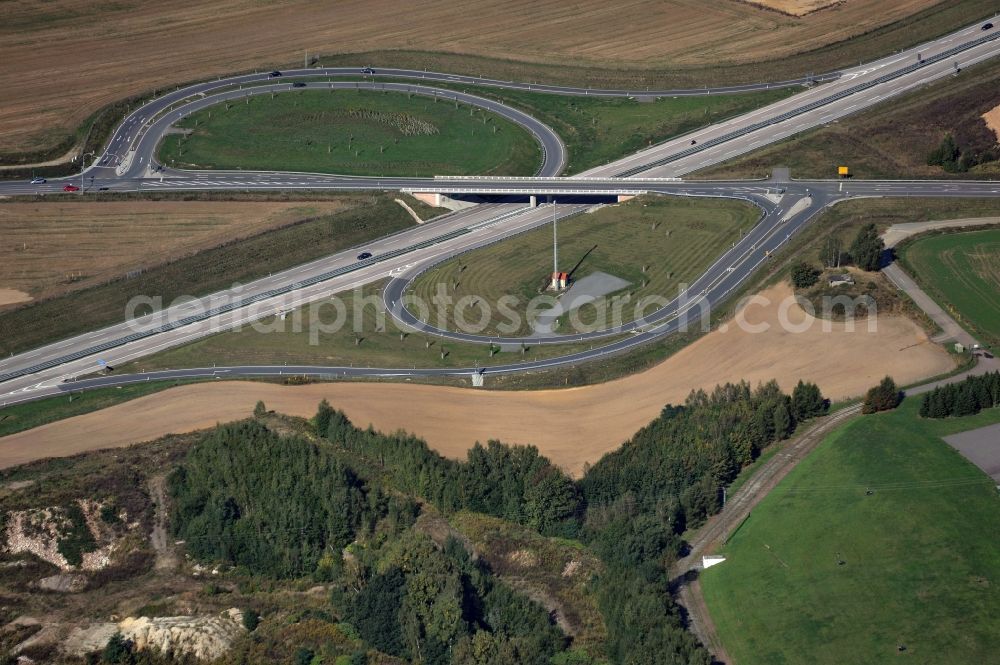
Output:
(981, 447)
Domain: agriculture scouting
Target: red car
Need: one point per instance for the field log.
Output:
(71, 188)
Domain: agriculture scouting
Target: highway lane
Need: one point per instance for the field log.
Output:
(291, 181)
(132, 148)
(124, 146)
(821, 193)
(856, 90)
(492, 220)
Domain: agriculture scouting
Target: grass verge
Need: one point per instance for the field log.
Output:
(851, 576)
(355, 132)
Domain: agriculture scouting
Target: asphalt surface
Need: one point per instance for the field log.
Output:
(128, 165)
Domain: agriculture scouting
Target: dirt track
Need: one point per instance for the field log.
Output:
(572, 426)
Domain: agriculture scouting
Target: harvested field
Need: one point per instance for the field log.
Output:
(195, 273)
(572, 426)
(795, 7)
(130, 48)
(48, 248)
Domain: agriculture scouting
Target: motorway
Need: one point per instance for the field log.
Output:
(128, 164)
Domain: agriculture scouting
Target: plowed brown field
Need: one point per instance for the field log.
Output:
(572, 426)
(63, 60)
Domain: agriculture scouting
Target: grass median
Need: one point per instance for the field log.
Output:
(352, 132)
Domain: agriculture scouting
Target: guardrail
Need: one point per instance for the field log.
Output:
(523, 191)
(811, 106)
(498, 178)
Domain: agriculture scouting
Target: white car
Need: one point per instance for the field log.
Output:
(38, 181)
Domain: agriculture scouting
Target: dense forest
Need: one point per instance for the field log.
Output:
(273, 504)
(340, 507)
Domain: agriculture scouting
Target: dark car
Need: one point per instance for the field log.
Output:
(275, 74)
(367, 70)
(988, 26)
(298, 84)
(364, 255)
(102, 189)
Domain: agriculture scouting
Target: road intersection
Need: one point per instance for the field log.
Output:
(129, 164)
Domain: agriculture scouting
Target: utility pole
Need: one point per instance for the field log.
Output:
(83, 167)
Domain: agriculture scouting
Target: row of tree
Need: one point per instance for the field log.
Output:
(285, 507)
(964, 398)
(666, 479)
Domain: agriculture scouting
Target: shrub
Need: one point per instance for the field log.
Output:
(883, 397)
(804, 275)
(251, 619)
(118, 651)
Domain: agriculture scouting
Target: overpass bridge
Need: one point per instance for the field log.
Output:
(535, 186)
